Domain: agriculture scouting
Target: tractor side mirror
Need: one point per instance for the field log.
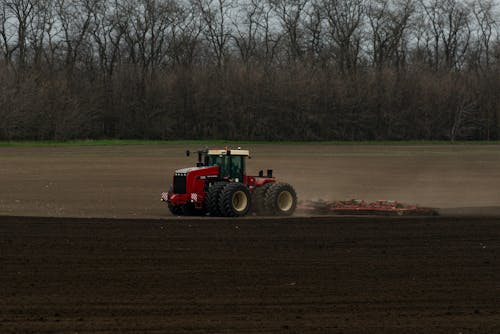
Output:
(188, 153)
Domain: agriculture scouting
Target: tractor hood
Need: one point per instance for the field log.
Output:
(198, 170)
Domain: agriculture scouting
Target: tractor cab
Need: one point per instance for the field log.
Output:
(231, 163)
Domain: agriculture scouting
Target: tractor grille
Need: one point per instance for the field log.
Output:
(179, 184)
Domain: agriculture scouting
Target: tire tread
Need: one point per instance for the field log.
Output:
(226, 203)
(212, 200)
(271, 201)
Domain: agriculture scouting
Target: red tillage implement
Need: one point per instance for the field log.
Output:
(360, 207)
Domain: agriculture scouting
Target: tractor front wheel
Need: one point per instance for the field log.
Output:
(281, 199)
(235, 200)
(213, 196)
(176, 210)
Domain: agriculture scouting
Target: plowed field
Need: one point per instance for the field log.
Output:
(302, 275)
(149, 272)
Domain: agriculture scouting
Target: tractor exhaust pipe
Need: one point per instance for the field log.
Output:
(269, 173)
(200, 163)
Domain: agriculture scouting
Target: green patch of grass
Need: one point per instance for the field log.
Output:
(416, 142)
(105, 142)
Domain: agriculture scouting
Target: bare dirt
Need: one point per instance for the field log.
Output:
(149, 272)
(126, 181)
(301, 275)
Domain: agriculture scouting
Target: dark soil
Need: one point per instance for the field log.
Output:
(298, 275)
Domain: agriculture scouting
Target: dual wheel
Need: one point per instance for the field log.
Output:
(228, 199)
(276, 199)
(234, 199)
(223, 199)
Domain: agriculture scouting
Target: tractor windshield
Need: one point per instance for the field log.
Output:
(231, 166)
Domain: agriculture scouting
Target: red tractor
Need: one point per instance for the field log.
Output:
(220, 186)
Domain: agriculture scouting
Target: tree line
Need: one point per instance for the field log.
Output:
(250, 69)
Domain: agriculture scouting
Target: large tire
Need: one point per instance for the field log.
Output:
(281, 199)
(176, 210)
(259, 198)
(235, 200)
(212, 200)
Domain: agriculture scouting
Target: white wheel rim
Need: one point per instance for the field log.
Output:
(240, 201)
(285, 201)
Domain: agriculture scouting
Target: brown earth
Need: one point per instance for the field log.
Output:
(297, 275)
(126, 181)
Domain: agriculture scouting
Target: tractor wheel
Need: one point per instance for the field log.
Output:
(281, 199)
(259, 198)
(235, 200)
(176, 209)
(212, 200)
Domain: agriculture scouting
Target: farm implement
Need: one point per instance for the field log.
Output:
(360, 207)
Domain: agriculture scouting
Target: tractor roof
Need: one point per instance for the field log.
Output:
(231, 152)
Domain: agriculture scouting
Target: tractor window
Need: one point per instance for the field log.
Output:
(215, 160)
(236, 167)
(231, 166)
(221, 161)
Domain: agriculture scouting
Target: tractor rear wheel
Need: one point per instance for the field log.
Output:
(212, 200)
(235, 200)
(281, 199)
(259, 198)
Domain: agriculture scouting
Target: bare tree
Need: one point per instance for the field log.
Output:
(75, 18)
(184, 36)
(249, 69)
(41, 28)
(246, 29)
(22, 11)
(314, 31)
(389, 21)
(289, 13)
(214, 15)
(484, 15)
(462, 115)
(7, 46)
(270, 35)
(148, 32)
(109, 24)
(449, 22)
(345, 19)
